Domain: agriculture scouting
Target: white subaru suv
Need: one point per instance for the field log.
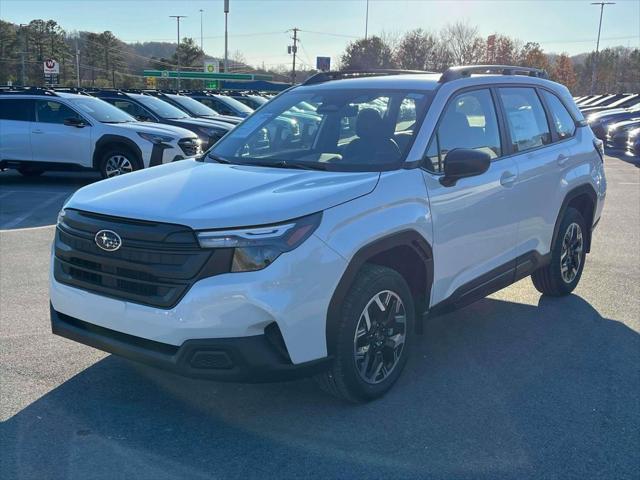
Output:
(321, 255)
(45, 130)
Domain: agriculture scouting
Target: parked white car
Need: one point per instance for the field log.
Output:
(323, 257)
(44, 130)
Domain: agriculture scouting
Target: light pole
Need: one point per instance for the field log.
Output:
(178, 17)
(366, 22)
(595, 58)
(201, 37)
(226, 37)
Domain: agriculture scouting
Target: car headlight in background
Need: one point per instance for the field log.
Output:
(155, 138)
(256, 248)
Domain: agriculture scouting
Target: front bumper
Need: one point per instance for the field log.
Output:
(256, 358)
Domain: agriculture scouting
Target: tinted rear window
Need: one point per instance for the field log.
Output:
(16, 109)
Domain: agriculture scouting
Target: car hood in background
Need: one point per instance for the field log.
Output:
(156, 128)
(201, 122)
(211, 195)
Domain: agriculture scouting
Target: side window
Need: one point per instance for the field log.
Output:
(469, 121)
(132, 109)
(526, 119)
(222, 108)
(563, 122)
(53, 112)
(20, 110)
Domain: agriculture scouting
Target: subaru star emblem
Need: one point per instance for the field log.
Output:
(108, 240)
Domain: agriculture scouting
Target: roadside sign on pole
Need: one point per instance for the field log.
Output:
(151, 82)
(213, 85)
(323, 64)
(51, 67)
(51, 70)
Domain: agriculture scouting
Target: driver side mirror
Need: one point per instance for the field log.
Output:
(464, 162)
(74, 122)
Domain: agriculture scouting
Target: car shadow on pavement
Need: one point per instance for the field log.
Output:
(496, 390)
(621, 155)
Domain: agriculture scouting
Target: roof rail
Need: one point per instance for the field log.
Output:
(322, 77)
(464, 71)
(11, 90)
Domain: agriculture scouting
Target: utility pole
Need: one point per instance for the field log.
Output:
(77, 63)
(178, 17)
(226, 36)
(23, 53)
(366, 22)
(596, 57)
(294, 49)
(204, 82)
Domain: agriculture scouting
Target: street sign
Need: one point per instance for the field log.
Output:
(151, 82)
(51, 67)
(213, 85)
(211, 66)
(323, 64)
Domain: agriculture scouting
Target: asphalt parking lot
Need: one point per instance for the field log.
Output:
(514, 386)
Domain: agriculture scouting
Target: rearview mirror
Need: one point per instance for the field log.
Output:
(463, 162)
(74, 122)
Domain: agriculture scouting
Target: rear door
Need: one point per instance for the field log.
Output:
(54, 142)
(474, 221)
(16, 115)
(541, 147)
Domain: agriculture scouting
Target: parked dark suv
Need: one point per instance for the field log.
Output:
(152, 109)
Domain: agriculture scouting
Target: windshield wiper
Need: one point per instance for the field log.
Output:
(217, 158)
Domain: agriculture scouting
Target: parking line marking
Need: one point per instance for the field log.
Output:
(21, 218)
(27, 228)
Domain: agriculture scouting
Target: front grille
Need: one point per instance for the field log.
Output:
(156, 264)
(190, 146)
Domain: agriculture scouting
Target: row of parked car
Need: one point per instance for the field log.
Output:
(115, 131)
(614, 119)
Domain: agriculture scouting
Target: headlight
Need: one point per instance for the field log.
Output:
(592, 119)
(154, 138)
(256, 248)
(61, 215)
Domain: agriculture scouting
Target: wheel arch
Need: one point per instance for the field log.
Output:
(401, 251)
(584, 199)
(108, 141)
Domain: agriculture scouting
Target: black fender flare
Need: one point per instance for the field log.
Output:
(405, 238)
(107, 139)
(580, 190)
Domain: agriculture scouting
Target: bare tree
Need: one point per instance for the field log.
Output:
(463, 43)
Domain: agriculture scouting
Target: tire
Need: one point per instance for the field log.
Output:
(355, 373)
(561, 276)
(118, 161)
(30, 171)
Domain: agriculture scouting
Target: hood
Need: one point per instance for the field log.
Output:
(212, 195)
(156, 128)
(202, 122)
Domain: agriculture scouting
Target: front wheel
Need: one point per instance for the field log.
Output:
(561, 276)
(374, 336)
(117, 162)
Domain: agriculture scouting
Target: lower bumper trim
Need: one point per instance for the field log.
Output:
(239, 359)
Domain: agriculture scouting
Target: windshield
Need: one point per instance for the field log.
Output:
(193, 106)
(101, 111)
(350, 130)
(160, 107)
(234, 104)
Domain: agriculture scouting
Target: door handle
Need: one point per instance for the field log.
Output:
(562, 159)
(508, 179)
(37, 131)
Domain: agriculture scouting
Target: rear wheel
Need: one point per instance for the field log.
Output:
(117, 162)
(562, 274)
(376, 327)
(30, 171)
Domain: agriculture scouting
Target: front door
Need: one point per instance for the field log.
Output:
(474, 221)
(53, 141)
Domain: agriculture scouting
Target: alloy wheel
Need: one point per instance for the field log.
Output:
(380, 337)
(117, 165)
(571, 254)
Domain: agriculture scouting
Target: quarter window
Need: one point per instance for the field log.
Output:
(54, 112)
(132, 109)
(563, 122)
(469, 121)
(526, 119)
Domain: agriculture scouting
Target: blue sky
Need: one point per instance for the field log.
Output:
(258, 28)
